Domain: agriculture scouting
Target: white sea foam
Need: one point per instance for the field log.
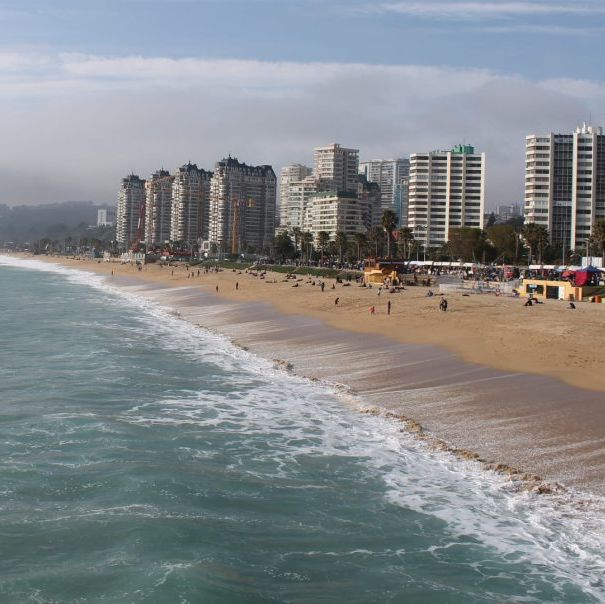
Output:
(302, 419)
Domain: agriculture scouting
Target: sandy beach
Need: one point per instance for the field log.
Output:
(499, 332)
(519, 388)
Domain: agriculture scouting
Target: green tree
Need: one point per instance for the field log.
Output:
(441, 253)
(598, 237)
(306, 242)
(467, 244)
(44, 244)
(405, 236)
(331, 249)
(389, 222)
(296, 233)
(376, 239)
(360, 241)
(516, 221)
(505, 240)
(323, 239)
(536, 237)
(414, 248)
(284, 247)
(341, 244)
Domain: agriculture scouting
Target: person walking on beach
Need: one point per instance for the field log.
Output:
(217, 289)
(323, 286)
(389, 307)
(372, 310)
(236, 285)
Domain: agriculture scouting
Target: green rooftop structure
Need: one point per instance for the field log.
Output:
(464, 150)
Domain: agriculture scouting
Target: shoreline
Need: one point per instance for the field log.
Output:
(497, 332)
(554, 434)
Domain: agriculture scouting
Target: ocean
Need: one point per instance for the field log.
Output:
(143, 459)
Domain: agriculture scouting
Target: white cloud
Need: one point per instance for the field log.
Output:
(74, 124)
(485, 10)
(554, 30)
(18, 62)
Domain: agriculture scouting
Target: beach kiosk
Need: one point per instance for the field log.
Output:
(573, 283)
(377, 271)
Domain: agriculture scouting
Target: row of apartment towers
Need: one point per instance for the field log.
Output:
(234, 207)
(429, 192)
(436, 191)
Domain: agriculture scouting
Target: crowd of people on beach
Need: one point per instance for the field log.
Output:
(421, 277)
(295, 280)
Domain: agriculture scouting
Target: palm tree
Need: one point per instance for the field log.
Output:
(322, 241)
(306, 239)
(543, 240)
(389, 222)
(296, 233)
(341, 243)
(405, 236)
(598, 237)
(331, 249)
(536, 237)
(360, 241)
(376, 237)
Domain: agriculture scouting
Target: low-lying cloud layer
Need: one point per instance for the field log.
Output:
(487, 10)
(74, 125)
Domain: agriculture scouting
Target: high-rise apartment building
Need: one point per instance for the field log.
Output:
(300, 192)
(334, 212)
(370, 200)
(190, 204)
(336, 168)
(402, 195)
(130, 212)
(565, 183)
(447, 189)
(389, 175)
(158, 210)
(289, 195)
(242, 206)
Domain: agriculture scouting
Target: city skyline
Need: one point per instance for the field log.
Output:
(84, 91)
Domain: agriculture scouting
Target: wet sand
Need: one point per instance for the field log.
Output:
(509, 418)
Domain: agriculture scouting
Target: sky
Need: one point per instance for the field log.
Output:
(92, 90)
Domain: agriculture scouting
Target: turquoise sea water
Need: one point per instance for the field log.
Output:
(145, 460)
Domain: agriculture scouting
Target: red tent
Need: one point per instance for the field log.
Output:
(585, 276)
